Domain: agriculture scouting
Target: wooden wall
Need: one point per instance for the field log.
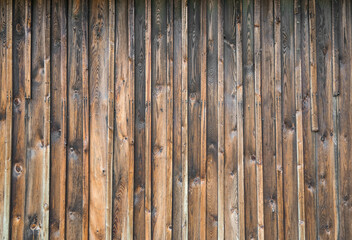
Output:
(183, 119)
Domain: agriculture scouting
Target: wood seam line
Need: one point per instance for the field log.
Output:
(258, 119)
(184, 120)
(278, 117)
(148, 224)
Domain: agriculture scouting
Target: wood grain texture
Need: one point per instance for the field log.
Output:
(6, 65)
(182, 119)
(58, 118)
(77, 119)
(344, 120)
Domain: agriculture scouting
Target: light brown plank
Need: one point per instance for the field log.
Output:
(310, 190)
(299, 122)
(313, 64)
(184, 119)
(36, 221)
(221, 120)
(159, 117)
(100, 79)
(169, 116)
(240, 116)
(344, 130)
(5, 116)
(231, 221)
(258, 119)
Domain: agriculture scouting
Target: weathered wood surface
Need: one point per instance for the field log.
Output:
(161, 119)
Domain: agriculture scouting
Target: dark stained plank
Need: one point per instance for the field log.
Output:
(100, 79)
(249, 120)
(177, 181)
(194, 20)
(289, 154)
(212, 121)
(139, 122)
(231, 216)
(77, 95)
(21, 34)
(159, 117)
(58, 130)
(6, 84)
(327, 205)
(310, 190)
(36, 219)
(345, 119)
(148, 121)
(271, 109)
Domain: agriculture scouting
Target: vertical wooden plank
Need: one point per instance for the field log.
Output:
(313, 64)
(299, 124)
(324, 139)
(345, 120)
(19, 139)
(58, 119)
(195, 117)
(249, 121)
(212, 121)
(310, 191)
(203, 120)
(77, 121)
(36, 222)
(5, 115)
(27, 47)
(335, 44)
(111, 116)
(289, 154)
(169, 121)
(278, 118)
(184, 119)
(231, 222)
(221, 120)
(159, 117)
(148, 121)
(177, 63)
(258, 118)
(131, 47)
(101, 28)
(124, 126)
(240, 116)
(271, 115)
(139, 226)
